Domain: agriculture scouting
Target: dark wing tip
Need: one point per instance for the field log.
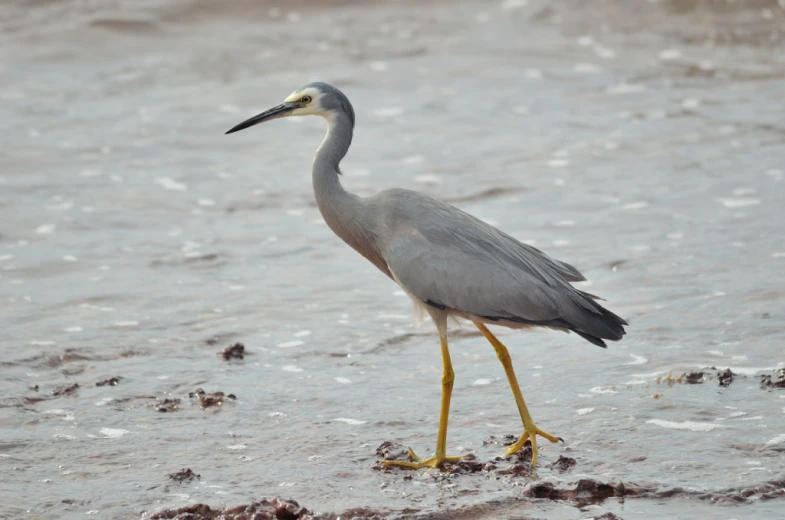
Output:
(591, 339)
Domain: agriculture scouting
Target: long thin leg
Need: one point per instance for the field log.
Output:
(448, 376)
(530, 430)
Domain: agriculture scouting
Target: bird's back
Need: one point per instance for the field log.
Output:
(448, 258)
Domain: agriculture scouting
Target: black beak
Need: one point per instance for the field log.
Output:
(274, 113)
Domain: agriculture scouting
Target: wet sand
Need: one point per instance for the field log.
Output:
(140, 249)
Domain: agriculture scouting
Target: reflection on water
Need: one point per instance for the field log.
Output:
(138, 243)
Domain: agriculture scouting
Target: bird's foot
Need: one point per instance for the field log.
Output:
(433, 462)
(531, 434)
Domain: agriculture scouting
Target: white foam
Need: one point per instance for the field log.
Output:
(738, 202)
(779, 439)
(427, 179)
(113, 433)
(686, 425)
(481, 382)
(290, 344)
(237, 447)
(509, 5)
(634, 382)
(378, 66)
(343, 380)
(412, 160)
(691, 103)
(205, 202)
(558, 163)
(129, 323)
(625, 88)
(41, 343)
(170, 184)
(73, 329)
(602, 390)
(637, 360)
(292, 368)
(349, 421)
(635, 205)
(586, 68)
(584, 411)
(45, 229)
(604, 52)
(669, 54)
(302, 333)
(584, 41)
(532, 74)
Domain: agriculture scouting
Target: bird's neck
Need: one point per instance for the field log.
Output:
(345, 213)
(334, 202)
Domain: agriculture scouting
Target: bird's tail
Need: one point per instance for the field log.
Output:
(593, 322)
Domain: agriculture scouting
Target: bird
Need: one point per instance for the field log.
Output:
(450, 263)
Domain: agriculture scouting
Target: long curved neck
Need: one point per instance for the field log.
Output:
(336, 204)
(345, 213)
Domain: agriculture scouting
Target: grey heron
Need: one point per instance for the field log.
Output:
(449, 262)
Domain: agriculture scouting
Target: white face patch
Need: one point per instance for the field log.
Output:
(312, 108)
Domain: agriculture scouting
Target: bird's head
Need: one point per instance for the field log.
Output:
(314, 99)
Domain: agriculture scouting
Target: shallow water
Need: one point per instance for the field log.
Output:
(642, 142)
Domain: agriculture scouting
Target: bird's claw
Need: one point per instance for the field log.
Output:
(433, 462)
(531, 434)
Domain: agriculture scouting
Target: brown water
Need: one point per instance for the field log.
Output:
(643, 142)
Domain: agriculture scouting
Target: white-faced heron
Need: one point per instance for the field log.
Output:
(449, 262)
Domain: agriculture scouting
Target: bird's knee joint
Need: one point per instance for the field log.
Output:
(503, 355)
(448, 378)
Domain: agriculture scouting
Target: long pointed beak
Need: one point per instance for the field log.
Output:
(281, 110)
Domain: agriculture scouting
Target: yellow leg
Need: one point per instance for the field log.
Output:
(530, 431)
(448, 376)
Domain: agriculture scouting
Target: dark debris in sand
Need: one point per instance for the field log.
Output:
(70, 390)
(693, 378)
(516, 465)
(170, 404)
(563, 464)
(581, 493)
(589, 491)
(774, 380)
(265, 509)
(236, 351)
(183, 475)
(211, 399)
(723, 377)
(586, 491)
(112, 381)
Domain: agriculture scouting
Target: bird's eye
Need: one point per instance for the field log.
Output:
(305, 99)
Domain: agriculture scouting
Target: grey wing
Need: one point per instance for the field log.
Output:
(448, 258)
(443, 276)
